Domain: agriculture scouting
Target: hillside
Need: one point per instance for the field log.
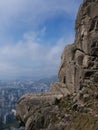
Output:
(72, 102)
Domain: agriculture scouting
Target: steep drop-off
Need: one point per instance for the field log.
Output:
(72, 102)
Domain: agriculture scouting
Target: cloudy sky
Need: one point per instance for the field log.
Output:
(33, 34)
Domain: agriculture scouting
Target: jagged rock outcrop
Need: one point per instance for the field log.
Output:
(74, 91)
(80, 60)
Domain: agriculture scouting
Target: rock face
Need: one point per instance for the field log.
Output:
(80, 60)
(79, 68)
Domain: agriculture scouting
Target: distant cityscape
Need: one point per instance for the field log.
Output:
(11, 91)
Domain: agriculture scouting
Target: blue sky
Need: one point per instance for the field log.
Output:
(33, 34)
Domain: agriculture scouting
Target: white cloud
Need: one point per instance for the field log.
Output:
(29, 57)
(34, 11)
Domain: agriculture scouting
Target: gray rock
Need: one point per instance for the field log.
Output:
(96, 95)
(86, 97)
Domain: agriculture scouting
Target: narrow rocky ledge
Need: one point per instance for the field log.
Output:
(75, 94)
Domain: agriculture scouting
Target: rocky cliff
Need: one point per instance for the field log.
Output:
(72, 102)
